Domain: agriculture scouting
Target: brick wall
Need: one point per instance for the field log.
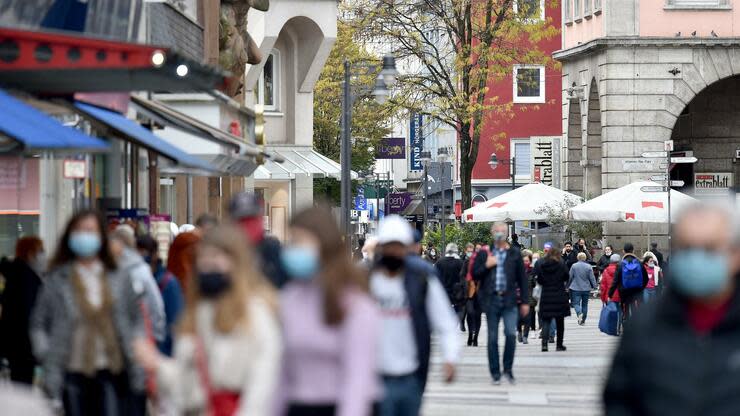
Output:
(167, 26)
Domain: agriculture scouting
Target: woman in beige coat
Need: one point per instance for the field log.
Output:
(227, 352)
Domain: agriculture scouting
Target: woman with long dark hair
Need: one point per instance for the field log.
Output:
(84, 320)
(552, 275)
(228, 348)
(330, 324)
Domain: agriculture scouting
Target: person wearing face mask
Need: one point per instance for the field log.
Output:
(330, 325)
(501, 275)
(655, 275)
(680, 355)
(83, 322)
(604, 260)
(472, 310)
(569, 256)
(227, 353)
(22, 285)
(448, 270)
(413, 304)
(247, 212)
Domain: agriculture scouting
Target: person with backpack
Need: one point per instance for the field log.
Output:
(501, 275)
(630, 279)
(413, 304)
(168, 286)
(680, 357)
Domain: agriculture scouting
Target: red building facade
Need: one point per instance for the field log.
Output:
(536, 94)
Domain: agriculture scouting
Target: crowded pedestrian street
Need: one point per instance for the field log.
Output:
(553, 383)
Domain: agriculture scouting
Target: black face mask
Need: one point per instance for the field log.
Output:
(392, 263)
(213, 284)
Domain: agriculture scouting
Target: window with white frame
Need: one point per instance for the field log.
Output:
(529, 84)
(530, 9)
(577, 11)
(522, 152)
(587, 9)
(698, 4)
(567, 12)
(597, 6)
(267, 90)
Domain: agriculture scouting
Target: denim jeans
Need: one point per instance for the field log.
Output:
(402, 396)
(579, 299)
(649, 294)
(496, 312)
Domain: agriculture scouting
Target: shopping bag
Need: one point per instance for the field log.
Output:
(609, 319)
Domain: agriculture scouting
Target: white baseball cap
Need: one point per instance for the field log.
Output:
(394, 229)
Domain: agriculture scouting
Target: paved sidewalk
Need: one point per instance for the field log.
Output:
(552, 383)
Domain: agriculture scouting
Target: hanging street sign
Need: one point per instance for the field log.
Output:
(640, 165)
(653, 189)
(678, 183)
(653, 154)
(659, 178)
(689, 159)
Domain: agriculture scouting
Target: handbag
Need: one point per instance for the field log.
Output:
(218, 403)
(609, 319)
(537, 292)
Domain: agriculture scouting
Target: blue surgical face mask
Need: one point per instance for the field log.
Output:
(499, 236)
(301, 263)
(84, 243)
(699, 273)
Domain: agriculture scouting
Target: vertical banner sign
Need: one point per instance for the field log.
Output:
(416, 142)
(542, 160)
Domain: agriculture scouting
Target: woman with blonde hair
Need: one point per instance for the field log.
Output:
(227, 352)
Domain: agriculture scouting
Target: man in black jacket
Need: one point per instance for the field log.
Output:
(448, 269)
(501, 275)
(681, 356)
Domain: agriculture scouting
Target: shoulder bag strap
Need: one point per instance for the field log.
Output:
(201, 365)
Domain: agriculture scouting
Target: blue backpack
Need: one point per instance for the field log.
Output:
(631, 274)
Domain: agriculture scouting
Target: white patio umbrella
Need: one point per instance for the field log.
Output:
(527, 203)
(630, 203)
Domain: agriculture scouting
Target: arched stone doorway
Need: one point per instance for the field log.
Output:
(709, 129)
(592, 151)
(572, 171)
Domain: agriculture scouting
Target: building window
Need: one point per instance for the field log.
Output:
(529, 84)
(698, 4)
(522, 151)
(567, 12)
(531, 10)
(577, 11)
(267, 91)
(587, 9)
(597, 7)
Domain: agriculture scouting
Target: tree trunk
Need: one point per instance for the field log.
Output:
(466, 166)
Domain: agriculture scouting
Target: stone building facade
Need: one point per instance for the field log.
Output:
(628, 87)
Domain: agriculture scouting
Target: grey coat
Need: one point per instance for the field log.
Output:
(55, 317)
(581, 277)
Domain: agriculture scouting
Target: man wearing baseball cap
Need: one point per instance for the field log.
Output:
(247, 212)
(413, 305)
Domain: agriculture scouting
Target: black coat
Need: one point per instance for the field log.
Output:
(663, 367)
(269, 250)
(448, 269)
(22, 286)
(553, 275)
(516, 278)
(603, 262)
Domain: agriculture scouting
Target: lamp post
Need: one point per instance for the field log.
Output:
(385, 79)
(442, 156)
(425, 157)
(493, 162)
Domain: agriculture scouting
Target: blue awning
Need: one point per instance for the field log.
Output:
(33, 129)
(132, 131)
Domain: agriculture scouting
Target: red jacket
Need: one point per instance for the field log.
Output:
(606, 281)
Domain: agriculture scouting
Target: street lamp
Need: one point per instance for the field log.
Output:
(425, 157)
(385, 79)
(493, 162)
(442, 156)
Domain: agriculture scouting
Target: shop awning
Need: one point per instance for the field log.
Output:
(302, 161)
(31, 129)
(131, 131)
(166, 115)
(61, 63)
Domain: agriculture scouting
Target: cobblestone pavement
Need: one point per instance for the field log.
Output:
(552, 383)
